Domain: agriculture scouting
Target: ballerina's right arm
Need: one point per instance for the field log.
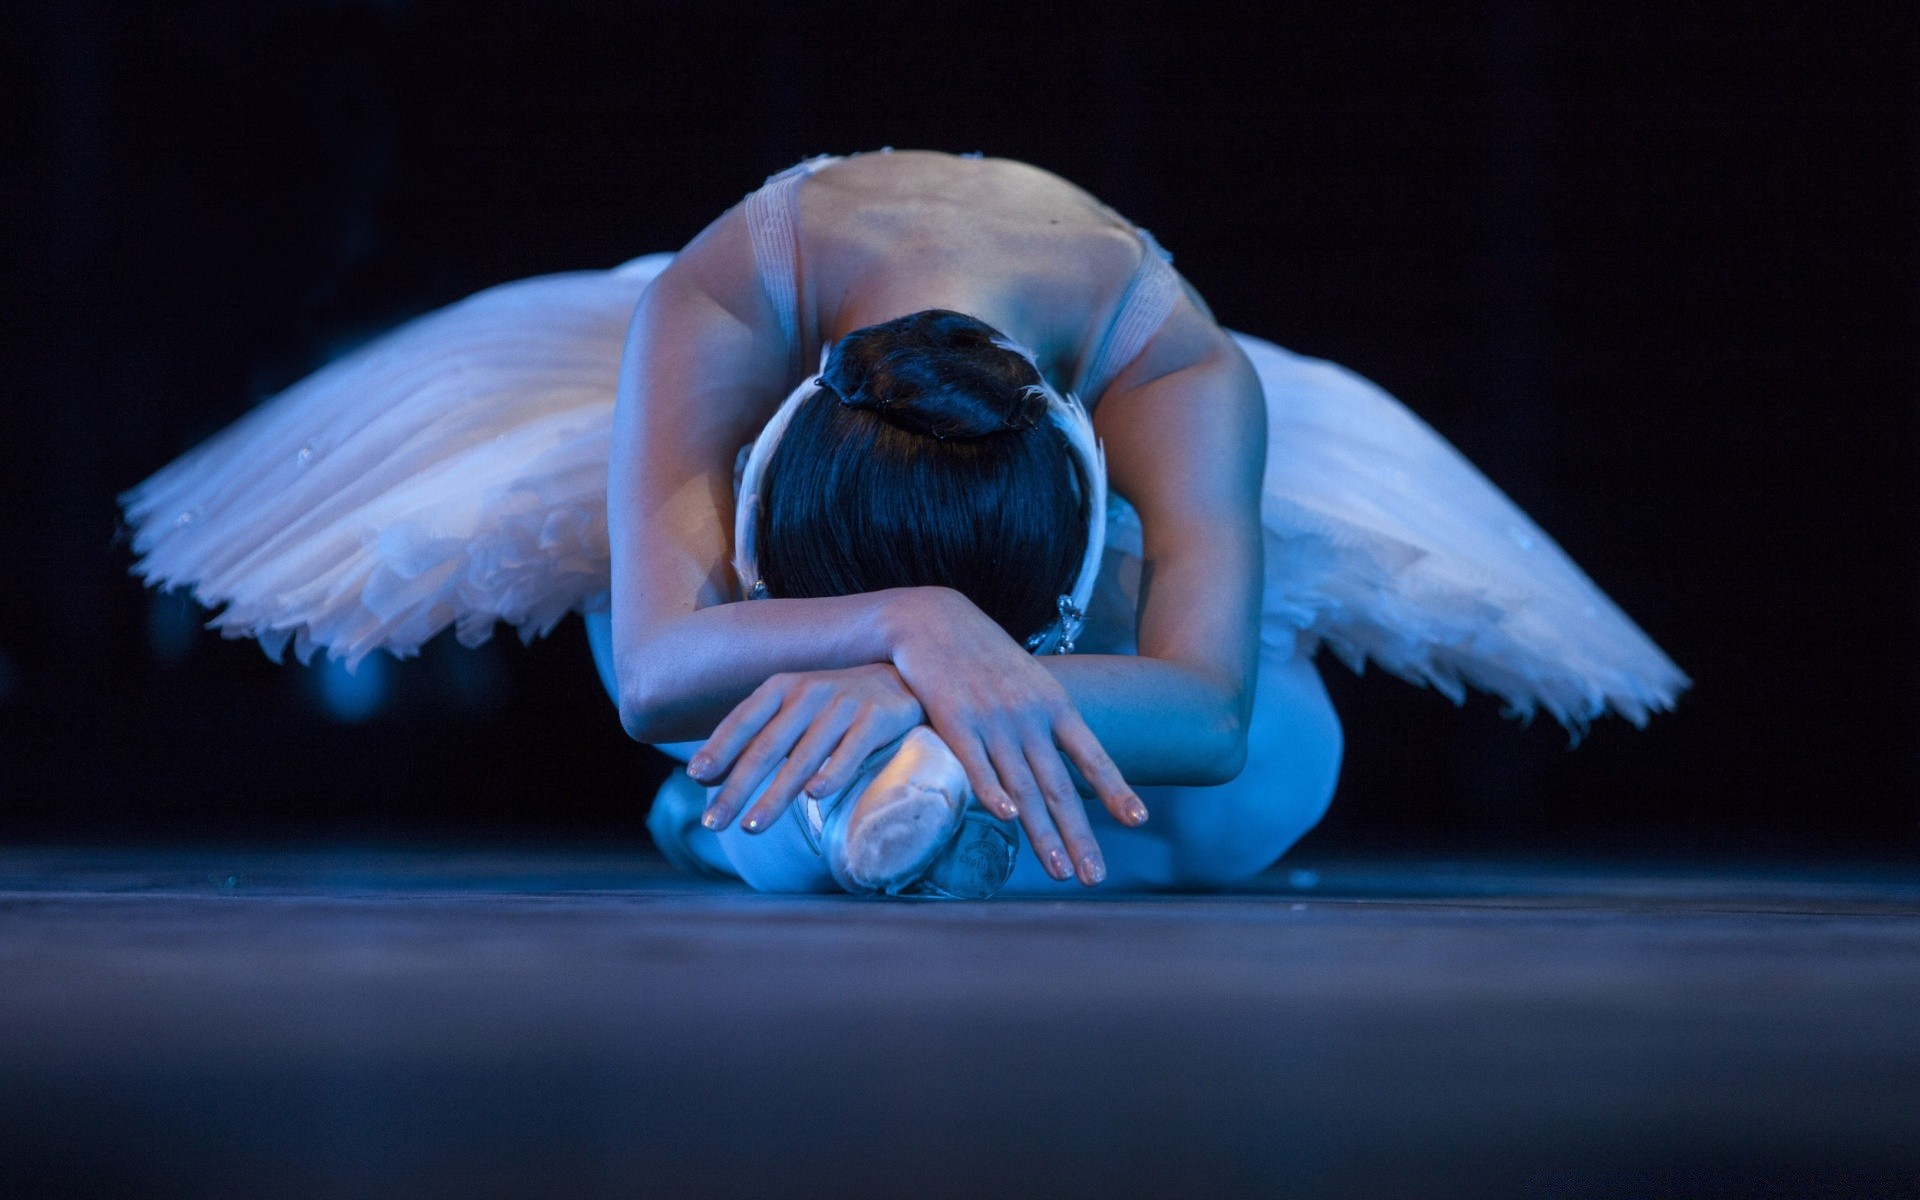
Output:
(704, 368)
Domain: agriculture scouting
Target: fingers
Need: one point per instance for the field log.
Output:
(733, 734)
(1010, 762)
(981, 776)
(1091, 758)
(821, 736)
(1064, 805)
(774, 742)
(854, 749)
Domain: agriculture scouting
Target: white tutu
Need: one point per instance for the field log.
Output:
(454, 473)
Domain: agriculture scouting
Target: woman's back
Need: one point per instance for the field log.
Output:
(877, 236)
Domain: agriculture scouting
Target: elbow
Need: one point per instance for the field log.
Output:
(633, 690)
(638, 716)
(1225, 766)
(639, 721)
(1224, 748)
(646, 710)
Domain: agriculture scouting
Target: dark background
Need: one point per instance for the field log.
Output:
(1651, 265)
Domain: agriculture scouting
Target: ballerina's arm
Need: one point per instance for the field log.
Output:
(1185, 435)
(702, 372)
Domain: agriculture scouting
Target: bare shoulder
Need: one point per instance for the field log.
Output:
(706, 359)
(1189, 340)
(1187, 420)
(718, 266)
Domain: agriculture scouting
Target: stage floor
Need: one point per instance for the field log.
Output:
(560, 1022)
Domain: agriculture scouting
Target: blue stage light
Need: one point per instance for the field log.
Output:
(173, 625)
(355, 695)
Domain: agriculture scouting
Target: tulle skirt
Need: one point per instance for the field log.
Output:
(454, 473)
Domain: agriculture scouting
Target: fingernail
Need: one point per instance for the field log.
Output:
(1092, 869)
(816, 788)
(700, 768)
(1058, 866)
(1008, 812)
(751, 824)
(1138, 813)
(711, 819)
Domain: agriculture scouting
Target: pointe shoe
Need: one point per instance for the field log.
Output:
(912, 829)
(976, 864)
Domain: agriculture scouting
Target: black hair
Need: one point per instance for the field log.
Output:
(926, 458)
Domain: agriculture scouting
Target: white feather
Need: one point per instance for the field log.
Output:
(454, 473)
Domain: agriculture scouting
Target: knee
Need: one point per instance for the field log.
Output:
(1248, 837)
(1230, 834)
(676, 809)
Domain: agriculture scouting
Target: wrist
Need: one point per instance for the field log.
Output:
(907, 613)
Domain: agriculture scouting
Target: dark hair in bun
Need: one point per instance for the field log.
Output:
(926, 459)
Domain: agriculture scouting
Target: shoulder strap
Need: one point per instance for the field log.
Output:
(773, 224)
(1151, 295)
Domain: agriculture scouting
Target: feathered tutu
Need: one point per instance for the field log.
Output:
(454, 473)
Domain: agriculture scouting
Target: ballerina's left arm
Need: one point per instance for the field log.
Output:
(1184, 429)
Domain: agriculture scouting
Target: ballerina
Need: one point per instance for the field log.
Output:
(912, 522)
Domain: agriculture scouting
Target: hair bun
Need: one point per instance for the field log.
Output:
(937, 373)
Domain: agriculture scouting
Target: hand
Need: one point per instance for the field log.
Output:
(824, 723)
(1011, 725)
